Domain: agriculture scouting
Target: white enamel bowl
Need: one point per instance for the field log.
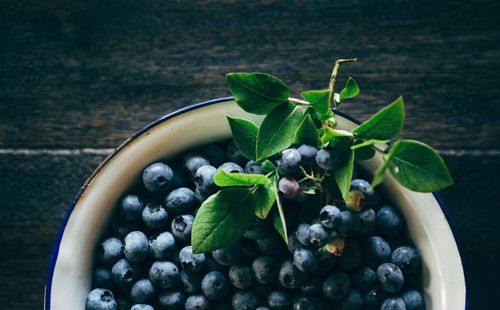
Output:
(70, 268)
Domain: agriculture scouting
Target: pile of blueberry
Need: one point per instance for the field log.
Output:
(336, 257)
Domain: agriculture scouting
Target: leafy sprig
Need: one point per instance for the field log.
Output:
(226, 215)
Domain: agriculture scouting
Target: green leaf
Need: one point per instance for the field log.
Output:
(368, 143)
(279, 221)
(222, 219)
(307, 133)
(223, 178)
(363, 153)
(343, 175)
(385, 124)
(319, 100)
(351, 89)
(277, 130)
(378, 175)
(268, 166)
(257, 93)
(330, 133)
(244, 135)
(264, 199)
(418, 167)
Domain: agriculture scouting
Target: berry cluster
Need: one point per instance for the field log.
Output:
(350, 255)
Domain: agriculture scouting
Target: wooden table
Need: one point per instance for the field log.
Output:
(78, 77)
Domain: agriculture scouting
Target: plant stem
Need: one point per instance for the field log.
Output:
(333, 77)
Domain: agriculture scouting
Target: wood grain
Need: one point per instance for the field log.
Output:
(90, 74)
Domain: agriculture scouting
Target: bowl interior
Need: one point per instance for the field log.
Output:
(443, 278)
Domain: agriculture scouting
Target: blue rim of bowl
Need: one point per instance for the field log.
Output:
(67, 214)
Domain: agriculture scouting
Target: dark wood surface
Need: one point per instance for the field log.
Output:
(87, 74)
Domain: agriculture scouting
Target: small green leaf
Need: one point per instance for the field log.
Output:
(279, 221)
(264, 199)
(268, 166)
(378, 175)
(257, 93)
(417, 166)
(223, 178)
(343, 175)
(277, 130)
(385, 124)
(330, 133)
(319, 100)
(222, 219)
(351, 89)
(244, 135)
(307, 133)
(363, 153)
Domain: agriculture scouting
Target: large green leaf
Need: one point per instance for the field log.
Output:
(244, 135)
(223, 178)
(264, 199)
(319, 101)
(417, 166)
(385, 124)
(277, 130)
(257, 93)
(343, 175)
(222, 219)
(307, 133)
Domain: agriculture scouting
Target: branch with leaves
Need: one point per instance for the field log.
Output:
(226, 215)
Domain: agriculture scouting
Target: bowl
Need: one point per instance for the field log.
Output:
(70, 267)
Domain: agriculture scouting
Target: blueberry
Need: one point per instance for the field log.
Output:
(258, 229)
(289, 187)
(172, 300)
(224, 304)
(121, 227)
(351, 256)
(327, 261)
(318, 235)
(229, 255)
(372, 300)
(279, 300)
(305, 260)
(231, 167)
(100, 299)
(293, 243)
(336, 286)
(289, 163)
(349, 223)
(356, 200)
(330, 216)
(353, 301)
(191, 262)
(155, 216)
(215, 153)
(164, 274)
(157, 177)
(136, 247)
(376, 251)
(101, 277)
(234, 154)
(180, 179)
(302, 234)
(241, 276)
(367, 222)
(390, 277)
(200, 196)
(215, 285)
(190, 282)
(407, 259)
(123, 303)
(271, 245)
(253, 167)
(307, 153)
(393, 303)
(212, 265)
(390, 221)
(143, 291)
(245, 300)
(290, 276)
(262, 308)
(265, 269)
(204, 179)
(192, 162)
(142, 307)
(305, 302)
(413, 300)
(131, 207)
(313, 285)
(363, 279)
(197, 302)
(162, 246)
(362, 186)
(181, 227)
(180, 200)
(326, 159)
(110, 251)
(124, 273)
